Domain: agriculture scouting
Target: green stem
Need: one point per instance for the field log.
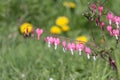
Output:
(117, 63)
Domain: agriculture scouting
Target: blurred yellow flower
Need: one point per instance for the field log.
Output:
(65, 28)
(69, 4)
(102, 41)
(82, 39)
(66, 4)
(26, 28)
(72, 5)
(60, 21)
(55, 30)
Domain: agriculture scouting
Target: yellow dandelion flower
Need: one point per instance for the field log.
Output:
(82, 39)
(26, 28)
(60, 21)
(65, 28)
(69, 4)
(55, 30)
(72, 5)
(66, 4)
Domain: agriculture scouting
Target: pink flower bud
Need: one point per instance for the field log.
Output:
(97, 21)
(102, 24)
(93, 6)
(100, 9)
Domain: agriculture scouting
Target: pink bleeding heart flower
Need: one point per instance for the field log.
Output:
(79, 47)
(116, 19)
(116, 33)
(102, 24)
(109, 28)
(64, 45)
(97, 21)
(110, 17)
(88, 52)
(93, 6)
(49, 40)
(100, 9)
(39, 33)
(56, 42)
(71, 47)
(119, 19)
(112, 63)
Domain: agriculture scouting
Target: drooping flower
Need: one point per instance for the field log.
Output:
(112, 63)
(71, 47)
(64, 45)
(116, 19)
(109, 28)
(82, 39)
(49, 40)
(97, 21)
(93, 6)
(88, 52)
(39, 32)
(56, 42)
(102, 24)
(115, 33)
(61, 21)
(110, 17)
(100, 9)
(69, 4)
(26, 28)
(65, 28)
(79, 47)
(55, 30)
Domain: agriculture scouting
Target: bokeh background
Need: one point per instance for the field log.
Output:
(29, 59)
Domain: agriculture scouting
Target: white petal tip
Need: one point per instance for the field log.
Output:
(94, 58)
(88, 56)
(64, 50)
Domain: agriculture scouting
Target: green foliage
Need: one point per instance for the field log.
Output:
(33, 58)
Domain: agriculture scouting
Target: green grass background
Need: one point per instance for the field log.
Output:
(32, 58)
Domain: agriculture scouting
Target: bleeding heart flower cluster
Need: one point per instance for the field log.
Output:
(113, 20)
(95, 13)
(95, 9)
(69, 46)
